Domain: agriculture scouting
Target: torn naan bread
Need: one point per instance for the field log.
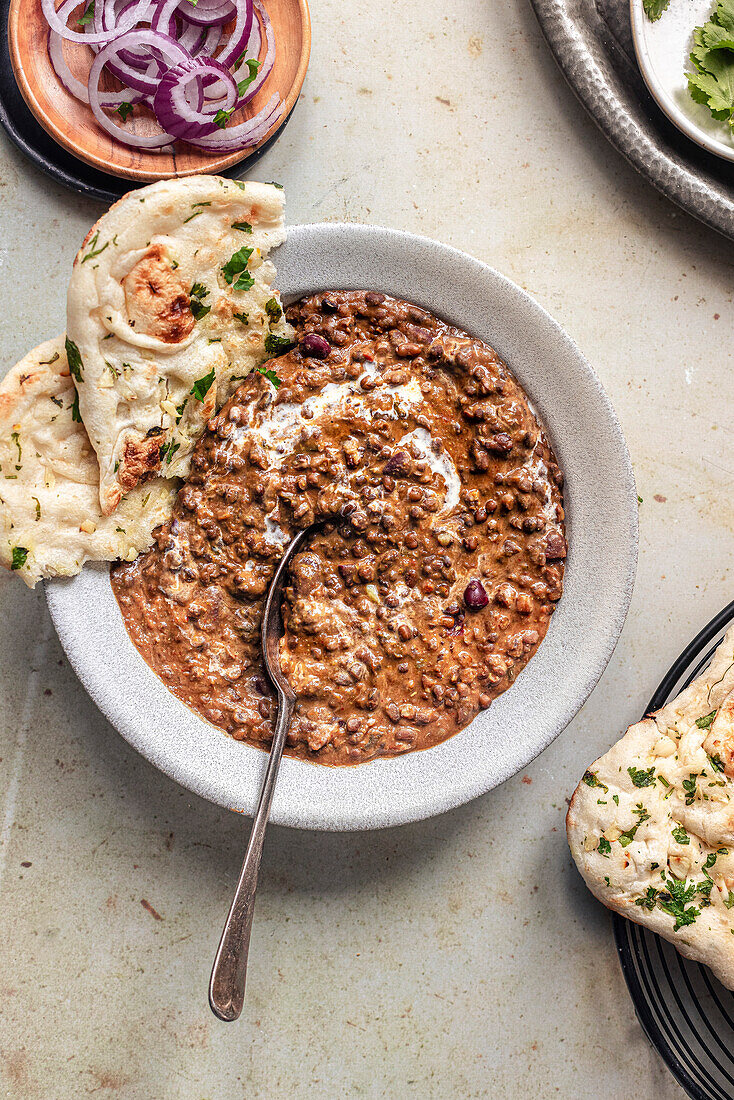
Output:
(170, 305)
(651, 824)
(50, 519)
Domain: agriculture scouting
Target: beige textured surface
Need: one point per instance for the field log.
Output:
(462, 957)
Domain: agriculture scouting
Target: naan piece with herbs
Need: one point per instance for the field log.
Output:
(651, 824)
(50, 517)
(170, 304)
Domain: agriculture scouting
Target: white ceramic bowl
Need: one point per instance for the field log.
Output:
(663, 48)
(601, 503)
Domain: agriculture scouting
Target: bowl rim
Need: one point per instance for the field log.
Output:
(421, 784)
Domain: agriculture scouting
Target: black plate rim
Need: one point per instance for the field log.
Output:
(693, 658)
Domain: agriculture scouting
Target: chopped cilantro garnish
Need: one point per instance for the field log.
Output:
(93, 250)
(629, 835)
(15, 436)
(197, 309)
(716, 762)
(271, 376)
(642, 778)
(76, 367)
(168, 450)
(38, 508)
(236, 264)
(87, 17)
(654, 8)
(277, 345)
(221, 118)
(19, 557)
(604, 847)
(198, 290)
(590, 779)
(707, 720)
(689, 786)
(48, 362)
(273, 310)
(75, 414)
(729, 902)
(649, 901)
(681, 835)
(202, 386)
(244, 227)
(124, 110)
(673, 901)
(244, 317)
(253, 65)
(241, 184)
(274, 184)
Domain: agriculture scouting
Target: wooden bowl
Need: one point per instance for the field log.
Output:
(73, 125)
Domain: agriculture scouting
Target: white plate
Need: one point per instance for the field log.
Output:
(663, 50)
(601, 503)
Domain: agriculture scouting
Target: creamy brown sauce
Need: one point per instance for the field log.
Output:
(431, 583)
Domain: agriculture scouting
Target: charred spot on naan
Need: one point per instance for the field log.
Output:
(157, 302)
(139, 457)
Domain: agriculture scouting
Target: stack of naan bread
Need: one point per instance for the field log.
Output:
(170, 305)
(651, 824)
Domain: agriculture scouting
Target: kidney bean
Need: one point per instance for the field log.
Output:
(315, 346)
(475, 595)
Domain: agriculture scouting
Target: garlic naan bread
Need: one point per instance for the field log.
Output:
(651, 824)
(170, 305)
(50, 518)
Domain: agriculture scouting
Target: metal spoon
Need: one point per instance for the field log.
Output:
(227, 983)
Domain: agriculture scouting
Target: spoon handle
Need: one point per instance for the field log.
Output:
(227, 983)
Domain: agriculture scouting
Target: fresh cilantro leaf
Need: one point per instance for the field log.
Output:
(273, 310)
(48, 362)
(87, 17)
(604, 847)
(202, 386)
(38, 508)
(680, 835)
(642, 778)
(124, 110)
(243, 317)
(221, 118)
(591, 780)
(180, 410)
(654, 8)
(689, 786)
(271, 376)
(649, 901)
(615, 799)
(198, 290)
(252, 65)
(168, 450)
(15, 436)
(197, 309)
(93, 250)
(244, 281)
(75, 414)
(706, 722)
(673, 901)
(629, 835)
(274, 184)
(244, 227)
(729, 902)
(241, 184)
(235, 264)
(76, 367)
(716, 762)
(712, 81)
(277, 345)
(19, 557)
(710, 861)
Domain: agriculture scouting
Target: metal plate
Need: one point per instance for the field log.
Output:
(685, 1012)
(592, 42)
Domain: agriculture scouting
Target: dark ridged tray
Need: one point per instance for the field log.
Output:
(592, 42)
(686, 1014)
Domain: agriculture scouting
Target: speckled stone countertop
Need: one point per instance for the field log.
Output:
(461, 957)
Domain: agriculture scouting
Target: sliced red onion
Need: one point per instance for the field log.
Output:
(172, 107)
(136, 12)
(162, 50)
(245, 135)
